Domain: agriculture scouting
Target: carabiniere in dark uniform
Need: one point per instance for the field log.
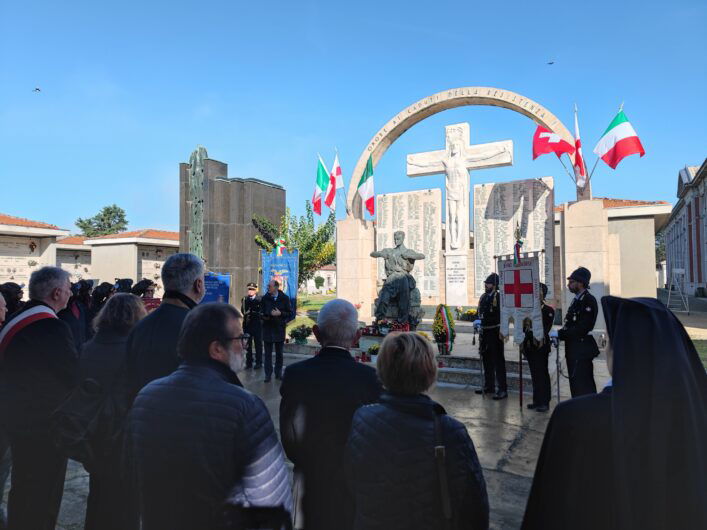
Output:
(491, 344)
(580, 346)
(253, 325)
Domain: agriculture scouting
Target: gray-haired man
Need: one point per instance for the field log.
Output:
(40, 367)
(152, 345)
(319, 398)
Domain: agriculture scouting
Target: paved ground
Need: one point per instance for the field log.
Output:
(507, 440)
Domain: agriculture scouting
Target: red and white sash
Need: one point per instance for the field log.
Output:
(38, 312)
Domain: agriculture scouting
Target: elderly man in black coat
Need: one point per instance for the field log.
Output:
(40, 367)
(276, 311)
(319, 398)
(152, 345)
(199, 439)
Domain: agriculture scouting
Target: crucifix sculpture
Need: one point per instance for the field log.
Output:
(455, 161)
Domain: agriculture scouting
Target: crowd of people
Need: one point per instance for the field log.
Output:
(176, 442)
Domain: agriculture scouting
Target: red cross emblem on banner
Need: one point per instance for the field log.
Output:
(518, 282)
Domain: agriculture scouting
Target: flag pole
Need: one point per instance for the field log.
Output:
(566, 170)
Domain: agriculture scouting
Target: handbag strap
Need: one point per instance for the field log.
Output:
(440, 459)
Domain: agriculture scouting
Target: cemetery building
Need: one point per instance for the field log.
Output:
(216, 217)
(74, 256)
(136, 255)
(328, 274)
(26, 246)
(685, 249)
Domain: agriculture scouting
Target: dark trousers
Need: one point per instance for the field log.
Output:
(5, 466)
(112, 502)
(37, 482)
(278, 358)
(256, 337)
(537, 362)
(494, 360)
(581, 375)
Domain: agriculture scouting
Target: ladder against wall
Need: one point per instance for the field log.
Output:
(677, 299)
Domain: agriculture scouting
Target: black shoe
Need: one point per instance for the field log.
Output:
(532, 406)
(258, 366)
(500, 395)
(542, 408)
(267, 379)
(484, 391)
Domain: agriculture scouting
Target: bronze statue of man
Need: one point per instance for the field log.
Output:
(399, 262)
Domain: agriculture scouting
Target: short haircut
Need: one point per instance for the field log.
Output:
(338, 323)
(406, 363)
(203, 325)
(275, 283)
(180, 271)
(43, 281)
(120, 313)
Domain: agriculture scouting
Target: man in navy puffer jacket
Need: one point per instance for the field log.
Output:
(390, 458)
(198, 438)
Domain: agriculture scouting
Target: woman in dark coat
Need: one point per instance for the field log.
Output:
(632, 456)
(398, 479)
(111, 501)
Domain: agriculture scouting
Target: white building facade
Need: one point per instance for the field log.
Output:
(685, 231)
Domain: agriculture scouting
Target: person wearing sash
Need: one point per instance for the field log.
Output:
(39, 369)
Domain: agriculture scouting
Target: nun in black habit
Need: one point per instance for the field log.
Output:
(635, 455)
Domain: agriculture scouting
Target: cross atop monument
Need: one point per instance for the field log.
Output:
(455, 161)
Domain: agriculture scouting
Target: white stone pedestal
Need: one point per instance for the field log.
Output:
(456, 279)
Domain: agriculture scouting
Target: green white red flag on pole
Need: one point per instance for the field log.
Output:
(320, 186)
(365, 187)
(580, 169)
(618, 141)
(336, 181)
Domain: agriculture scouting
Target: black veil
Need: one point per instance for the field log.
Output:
(659, 418)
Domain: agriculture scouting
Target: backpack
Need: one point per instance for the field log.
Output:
(89, 423)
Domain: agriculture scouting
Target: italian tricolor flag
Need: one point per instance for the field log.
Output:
(320, 186)
(365, 187)
(619, 141)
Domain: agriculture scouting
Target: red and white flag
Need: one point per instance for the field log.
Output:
(336, 181)
(580, 169)
(545, 141)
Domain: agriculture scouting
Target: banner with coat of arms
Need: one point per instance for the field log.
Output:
(519, 287)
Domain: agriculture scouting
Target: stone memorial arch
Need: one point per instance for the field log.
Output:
(356, 271)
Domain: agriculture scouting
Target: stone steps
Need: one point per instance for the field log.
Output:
(458, 370)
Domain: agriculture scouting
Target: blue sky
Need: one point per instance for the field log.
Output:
(130, 88)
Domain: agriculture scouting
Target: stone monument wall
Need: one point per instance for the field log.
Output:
(498, 209)
(419, 215)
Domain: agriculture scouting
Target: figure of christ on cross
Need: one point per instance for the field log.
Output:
(516, 284)
(455, 161)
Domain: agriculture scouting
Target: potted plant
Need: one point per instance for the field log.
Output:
(300, 333)
(443, 330)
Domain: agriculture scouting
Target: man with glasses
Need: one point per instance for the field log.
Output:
(197, 438)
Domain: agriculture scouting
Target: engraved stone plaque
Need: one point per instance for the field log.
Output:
(501, 207)
(419, 215)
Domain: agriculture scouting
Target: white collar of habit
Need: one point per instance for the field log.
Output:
(24, 319)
